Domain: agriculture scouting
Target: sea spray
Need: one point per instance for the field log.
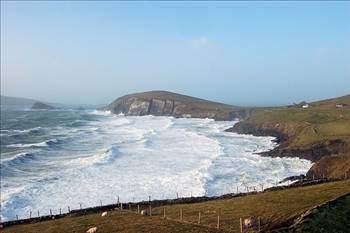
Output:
(99, 156)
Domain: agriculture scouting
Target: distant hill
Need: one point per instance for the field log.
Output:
(8, 100)
(16, 103)
(40, 105)
(164, 103)
(332, 103)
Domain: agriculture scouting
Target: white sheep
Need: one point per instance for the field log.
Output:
(92, 230)
(248, 222)
(104, 214)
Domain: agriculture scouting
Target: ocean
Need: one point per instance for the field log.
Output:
(59, 158)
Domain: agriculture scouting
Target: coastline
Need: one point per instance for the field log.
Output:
(319, 153)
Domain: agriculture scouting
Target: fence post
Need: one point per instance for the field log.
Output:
(181, 214)
(199, 217)
(16, 216)
(177, 195)
(60, 211)
(121, 206)
(38, 214)
(259, 224)
(51, 212)
(30, 213)
(241, 225)
(68, 209)
(218, 225)
(150, 210)
(138, 209)
(129, 206)
(164, 212)
(118, 200)
(149, 198)
(80, 205)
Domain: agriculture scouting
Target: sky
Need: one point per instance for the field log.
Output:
(244, 53)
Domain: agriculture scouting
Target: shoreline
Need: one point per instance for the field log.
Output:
(316, 152)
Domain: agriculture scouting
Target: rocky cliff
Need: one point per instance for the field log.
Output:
(320, 134)
(163, 103)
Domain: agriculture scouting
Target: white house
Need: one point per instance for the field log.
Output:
(305, 106)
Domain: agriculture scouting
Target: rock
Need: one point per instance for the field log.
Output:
(40, 105)
(162, 103)
(138, 108)
(293, 178)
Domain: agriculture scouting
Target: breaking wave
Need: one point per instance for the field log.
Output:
(108, 155)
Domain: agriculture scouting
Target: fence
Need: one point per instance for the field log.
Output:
(152, 207)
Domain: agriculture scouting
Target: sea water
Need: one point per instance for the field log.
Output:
(55, 159)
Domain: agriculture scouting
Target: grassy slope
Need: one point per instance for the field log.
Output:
(275, 206)
(306, 128)
(333, 217)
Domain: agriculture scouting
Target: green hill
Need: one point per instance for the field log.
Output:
(163, 103)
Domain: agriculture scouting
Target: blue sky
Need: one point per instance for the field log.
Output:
(243, 53)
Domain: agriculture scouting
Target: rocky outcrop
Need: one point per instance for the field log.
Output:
(265, 129)
(284, 133)
(336, 166)
(313, 152)
(41, 106)
(162, 103)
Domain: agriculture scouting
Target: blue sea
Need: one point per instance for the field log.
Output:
(59, 158)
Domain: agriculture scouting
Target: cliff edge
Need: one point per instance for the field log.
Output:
(164, 103)
(319, 132)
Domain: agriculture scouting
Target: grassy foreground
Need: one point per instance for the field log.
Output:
(334, 217)
(276, 208)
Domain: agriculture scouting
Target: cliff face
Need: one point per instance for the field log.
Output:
(161, 103)
(336, 166)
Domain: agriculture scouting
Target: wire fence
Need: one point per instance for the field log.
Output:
(210, 218)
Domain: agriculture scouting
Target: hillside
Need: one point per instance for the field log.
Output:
(333, 217)
(163, 103)
(322, 129)
(15, 103)
(41, 106)
(331, 103)
(276, 209)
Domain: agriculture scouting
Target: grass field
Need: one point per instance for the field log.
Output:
(274, 207)
(308, 125)
(320, 133)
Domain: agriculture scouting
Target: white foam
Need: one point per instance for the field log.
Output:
(102, 113)
(28, 145)
(135, 157)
